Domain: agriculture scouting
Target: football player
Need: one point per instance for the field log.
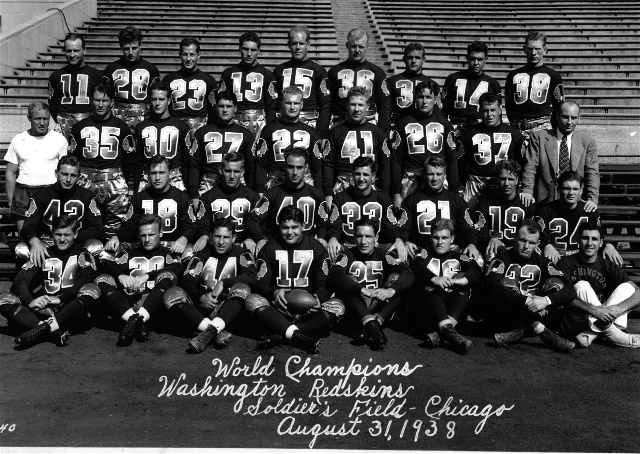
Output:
(371, 281)
(193, 91)
(309, 77)
(215, 285)
(448, 277)
(462, 90)
(228, 199)
(525, 287)
(253, 84)
(605, 294)
(131, 76)
(356, 71)
(281, 135)
(71, 86)
(56, 295)
(293, 260)
(533, 91)
(134, 281)
(422, 133)
(105, 149)
(63, 197)
(212, 142)
(161, 135)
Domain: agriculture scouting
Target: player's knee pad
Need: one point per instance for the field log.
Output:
(239, 290)
(393, 277)
(551, 285)
(334, 306)
(22, 251)
(175, 296)
(165, 279)
(93, 247)
(255, 302)
(7, 299)
(91, 290)
(510, 284)
(106, 283)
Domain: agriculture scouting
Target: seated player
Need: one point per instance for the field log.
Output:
(56, 296)
(371, 282)
(281, 135)
(422, 133)
(161, 199)
(445, 278)
(63, 197)
(262, 221)
(134, 282)
(228, 199)
(213, 141)
(434, 201)
(605, 294)
(161, 135)
(361, 201)
(293, 260)
(525, 288)
(350, 140)
(484, 145)
(214, 287)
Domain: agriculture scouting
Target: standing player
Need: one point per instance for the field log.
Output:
(291, 261)
(281, 135)
(462, 90)
(350, 140)
(253, 85)
(131, 77)
(370, 280)
(216, 284)
(482, 146)
(161, 135)
(56, 295)
(533, 91)
(193, 91)
(356, 71)
(422, 133)
(70, 87)
(309, 77)
(213, 142)
(105, 149)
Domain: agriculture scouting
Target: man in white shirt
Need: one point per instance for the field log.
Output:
(32, 159)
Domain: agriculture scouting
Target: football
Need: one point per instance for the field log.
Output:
(299, 301)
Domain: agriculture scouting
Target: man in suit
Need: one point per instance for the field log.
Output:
(557, 150)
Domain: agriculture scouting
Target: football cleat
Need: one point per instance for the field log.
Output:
(458, 342)
(144, 333)
(34, 336)
(432, 339)
(62, 338)
(307, 343)
(222, 339)
(556, 342)
(200, 342)
(510, 337)
(378, 338)
(130, 330)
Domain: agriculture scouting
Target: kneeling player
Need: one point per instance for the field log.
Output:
(293, 261)
(143, 274)
(448, 276)
(370, 281)
(216, 284)
(56, 296)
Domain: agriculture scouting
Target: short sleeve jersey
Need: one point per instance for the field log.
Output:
(36, 157)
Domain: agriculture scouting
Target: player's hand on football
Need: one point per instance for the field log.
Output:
(536, 303)
(278, 298)
(609, 252)
(493, 247)
(590, 206)
(126, 281)
(551, 253)
(250, 245)
(208, 301)
(37, 252)
(527, 199)
(315, 308)
(334, 247)
(113, 244)
(140, 281)
(179, 245)
(259, 246)
(411, 248)
(401, 249)
(472, 252)
(200, 243)
(40, 303)
(383, 294)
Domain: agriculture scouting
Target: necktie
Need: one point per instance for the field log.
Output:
(564, 156)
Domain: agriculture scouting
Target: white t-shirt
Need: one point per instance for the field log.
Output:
(36, 157)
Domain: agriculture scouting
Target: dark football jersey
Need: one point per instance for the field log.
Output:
(311, 78)
(530, 92)
(603, 275)
(274, 139)
(70, 89)
(348, 208)
(427, 265)
(461, 94)
(193, 95)
(254, 87)
(173, 206)
(262, 221)
(559, 225)
(498, 218)
(61, 274)
(52, 202)
(348, 142)
(206, 268)
(222, 202)
(422, 208)
(210, 144)
(421, 137)
(131, 81)
(401, 89)
(303, 266)
(347, 74)
(484, 147)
